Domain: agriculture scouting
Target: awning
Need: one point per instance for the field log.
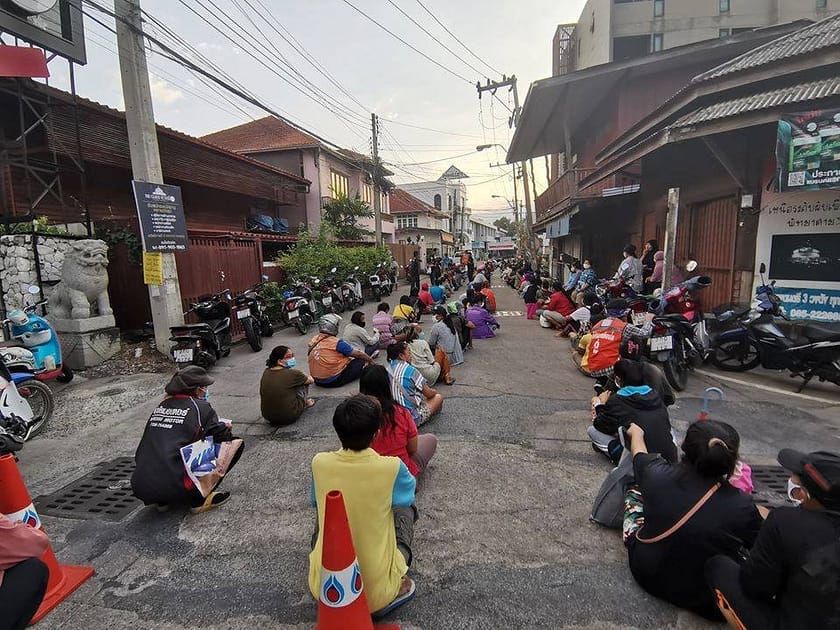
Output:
(20, 62)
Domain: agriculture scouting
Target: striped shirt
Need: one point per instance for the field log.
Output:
(407, 386)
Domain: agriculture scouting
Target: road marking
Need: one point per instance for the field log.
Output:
(767, 388)
(498, 286)
(508, 313)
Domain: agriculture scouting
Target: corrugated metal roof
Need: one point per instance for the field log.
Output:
(800, 93)
(822, 35)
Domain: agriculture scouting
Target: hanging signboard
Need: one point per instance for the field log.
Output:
(161, 214)
(152, 268)
(808, 151)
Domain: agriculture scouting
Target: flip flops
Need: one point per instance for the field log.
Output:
(213, 500)
(399, 600)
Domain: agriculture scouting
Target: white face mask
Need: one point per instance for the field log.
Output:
(791, 488)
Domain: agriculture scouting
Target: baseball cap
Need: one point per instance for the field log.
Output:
(819, 472)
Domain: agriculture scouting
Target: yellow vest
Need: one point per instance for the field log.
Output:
(366, 479)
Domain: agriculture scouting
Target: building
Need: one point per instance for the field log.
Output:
(333, 171)
(483, 235)
(618, 30)
(421, 225)
(448, 194)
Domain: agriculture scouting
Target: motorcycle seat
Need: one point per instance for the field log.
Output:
(190, 327)
(218, 325)
(672, 317)
(821, 331)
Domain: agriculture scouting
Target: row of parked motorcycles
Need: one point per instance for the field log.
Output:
(210, 339)
(734, 339)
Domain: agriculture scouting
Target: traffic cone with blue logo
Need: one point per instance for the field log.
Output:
(341, 603)
(16, 505)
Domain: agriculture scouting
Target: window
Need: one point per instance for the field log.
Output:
(658, 8)
(407, 221)
(724, 32)
(367, 194)
(437, 201)
(657, 42)
(724, 6)
(339, 184)
(821, 4)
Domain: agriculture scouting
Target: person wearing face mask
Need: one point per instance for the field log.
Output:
(283, 389)
(183, 417)
(791, 578)
(631, 269)
(443, 336)
(356, 335)
(586, 283)
(433, 366)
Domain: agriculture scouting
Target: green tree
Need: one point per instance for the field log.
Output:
(507, 226)
(342, 217)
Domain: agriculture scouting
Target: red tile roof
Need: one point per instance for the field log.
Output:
(265, 134)
(402, 202)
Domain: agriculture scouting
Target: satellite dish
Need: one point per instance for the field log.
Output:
(33, 7)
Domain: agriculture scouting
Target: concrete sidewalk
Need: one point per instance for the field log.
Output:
(503, 540)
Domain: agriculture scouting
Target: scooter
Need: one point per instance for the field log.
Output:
(332, 299)
(387, 279)
(18, 420)
(205, 343)
(375, 283)
(767, 337)
(351, 290)
(250, 310)
(296, 309)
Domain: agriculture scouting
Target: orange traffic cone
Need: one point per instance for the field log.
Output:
(16, 504)
(342, 604)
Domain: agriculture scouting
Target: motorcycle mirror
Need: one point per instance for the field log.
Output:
(332, 270)
(33, 290)
(691, 266)
(762, 268)
(356, 268)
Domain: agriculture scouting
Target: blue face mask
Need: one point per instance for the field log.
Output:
(290, 363)
(206, 394)
(421, 335)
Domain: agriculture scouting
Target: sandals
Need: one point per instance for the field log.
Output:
(407, 591)
(451, 381)
(310, 402)
(213, 500)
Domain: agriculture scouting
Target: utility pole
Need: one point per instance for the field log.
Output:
(377, 201)
(670, 237)
(165, 299)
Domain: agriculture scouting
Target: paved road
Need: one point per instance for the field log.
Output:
(503, 540)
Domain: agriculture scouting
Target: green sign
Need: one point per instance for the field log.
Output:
(808, 151)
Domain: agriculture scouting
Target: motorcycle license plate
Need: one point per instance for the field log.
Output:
(183, 355)
(327, 301)
(246, 312)
(294, 314)
(657, 344)
(639, 319)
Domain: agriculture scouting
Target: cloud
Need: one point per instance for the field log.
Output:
(163, 92)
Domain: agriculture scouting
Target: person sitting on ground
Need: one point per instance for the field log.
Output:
(443, 336)
(609, 333)
(438, 292)
(651, 374)
(332, 361)
(283, 389)
(410, 388)
(183, 417)
(579, 319)
(425, 297)
(432, 365)
(397, 435)
(484, 324)
(683, 514)
(791, 578)
(462, 326)
(416, 303)
(383, 323)
(581, 342)
(479, 280)
(559, 308)
(635, 401)
(23, 576)
(356, 335)
(404, 310)
(490, 298)
(378, 495)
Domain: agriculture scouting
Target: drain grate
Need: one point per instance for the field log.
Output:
(105, 494)
(770, 483)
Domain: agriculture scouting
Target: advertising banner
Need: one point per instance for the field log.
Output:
(799, 241)
(161, 214)
(808, 151)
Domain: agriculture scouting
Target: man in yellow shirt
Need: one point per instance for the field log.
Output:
(379, 498)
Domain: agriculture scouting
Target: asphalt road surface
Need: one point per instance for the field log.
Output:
(503, 540)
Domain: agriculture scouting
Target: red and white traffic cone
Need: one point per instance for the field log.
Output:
(16, 505)
(341, 603)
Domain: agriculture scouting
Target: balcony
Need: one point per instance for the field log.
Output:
(566, 191)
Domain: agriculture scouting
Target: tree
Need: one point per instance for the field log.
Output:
(342, 217)
(506, 225)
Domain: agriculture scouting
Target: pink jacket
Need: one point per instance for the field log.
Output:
(382, 322)
(19, 542)
(658, 267)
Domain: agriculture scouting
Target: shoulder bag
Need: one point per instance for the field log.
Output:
(703, 500)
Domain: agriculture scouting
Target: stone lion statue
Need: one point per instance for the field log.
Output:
(84, 282)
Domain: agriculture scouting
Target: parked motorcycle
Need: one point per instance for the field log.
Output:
(19, 421)
(250, 310)
(351, 290)
(388, 280)
(766, 336)
(204, 343)
(296, 309)
(331, 298)
(375, 284)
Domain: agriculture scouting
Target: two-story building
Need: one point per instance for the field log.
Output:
(421, 224)
(483, 234)
(332, 170)
(448, 194)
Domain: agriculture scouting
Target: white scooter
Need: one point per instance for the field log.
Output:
(17, 422)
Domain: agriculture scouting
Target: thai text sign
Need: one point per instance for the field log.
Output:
(152, 268)
(808, 151)
(161, 214)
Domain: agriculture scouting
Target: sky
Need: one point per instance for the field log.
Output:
(363, 69)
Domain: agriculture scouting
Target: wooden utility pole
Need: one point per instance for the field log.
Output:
(377, 200)
(165, 299)
(671, 237)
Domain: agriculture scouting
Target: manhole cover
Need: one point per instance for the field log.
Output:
(770, 485)
(104, 493)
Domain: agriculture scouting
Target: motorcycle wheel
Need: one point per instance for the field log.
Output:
(676, 373)
(266, 328)
(66, 375)
(302, 323)
(251, 334)
(338, 306)
(40, 399)
(731, 356)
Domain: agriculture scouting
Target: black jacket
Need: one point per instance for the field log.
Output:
(644, 407)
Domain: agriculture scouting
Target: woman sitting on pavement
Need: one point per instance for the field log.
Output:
(383, 323)
(332, 361)
(791, 578)
(425, 297)
(484, 323)
(559, 308)
(489, 298)
(397, 436)
(443, 336)
(634, 402)
(182, 418)
(404, 310)
(683, 514)
(432, 365)
(283, 389)
(439, 292)
(462, 326)
(409, 387)
(356, 335)
(23, 576)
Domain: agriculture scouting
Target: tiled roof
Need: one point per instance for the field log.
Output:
(769, 99)
(402, 202)
(822, 35)
(265, 134)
